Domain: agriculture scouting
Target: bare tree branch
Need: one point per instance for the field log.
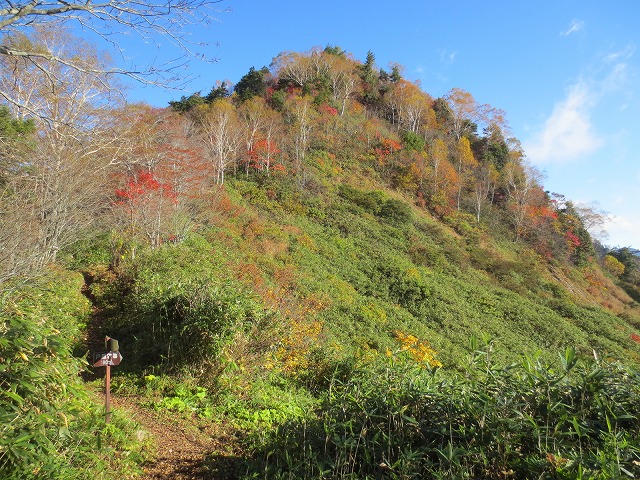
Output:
(141, 14)
(152, 20)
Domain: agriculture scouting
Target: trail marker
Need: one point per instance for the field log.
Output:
(106, 359)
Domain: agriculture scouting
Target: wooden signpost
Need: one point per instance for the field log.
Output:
(106, 359)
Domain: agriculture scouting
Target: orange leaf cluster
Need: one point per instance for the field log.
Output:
(386, 148)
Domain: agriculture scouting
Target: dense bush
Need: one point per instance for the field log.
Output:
(369, 201)
(577, 419)
(396, 211)
(179, 307)
(48, 422)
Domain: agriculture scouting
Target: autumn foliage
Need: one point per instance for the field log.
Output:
(419, 350)
(144, 185)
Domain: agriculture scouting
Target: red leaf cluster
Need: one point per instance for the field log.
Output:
(573, 239)
(328, 109)
(144, 184)
(387, 147)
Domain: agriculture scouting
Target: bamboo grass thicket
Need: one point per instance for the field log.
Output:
(574, 419)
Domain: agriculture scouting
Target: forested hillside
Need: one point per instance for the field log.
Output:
(357, 279)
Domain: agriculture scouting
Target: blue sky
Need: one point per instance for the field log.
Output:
(567, 73)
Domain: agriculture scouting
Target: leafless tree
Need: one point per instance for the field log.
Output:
(301, 118)
(221, 136)
(594, 219)
(466, 113)
(523, 184)
(111, 20)
(55, 189)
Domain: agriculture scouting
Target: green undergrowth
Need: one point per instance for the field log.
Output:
(266, 403)
(251, 409)
(50, 425)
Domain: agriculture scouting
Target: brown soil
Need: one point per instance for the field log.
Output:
(184, 448)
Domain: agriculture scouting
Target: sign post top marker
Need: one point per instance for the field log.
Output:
(107, 359)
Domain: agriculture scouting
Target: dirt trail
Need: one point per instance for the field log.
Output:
(183, 448)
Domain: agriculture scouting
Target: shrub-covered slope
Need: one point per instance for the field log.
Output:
(347, 269)
(317, 242)
(373, 265)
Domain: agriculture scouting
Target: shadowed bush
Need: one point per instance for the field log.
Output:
(179, 308)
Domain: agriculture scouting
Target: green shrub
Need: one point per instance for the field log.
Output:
(407, 288)
(575, 419)
(413, 141)
(427, 255)
(464, 224)
(369, 201)
(396, 211)
(48, 422)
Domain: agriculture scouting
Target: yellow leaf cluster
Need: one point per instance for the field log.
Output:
(294, 349)
(613, 265)
(302, 331)
(419, 350)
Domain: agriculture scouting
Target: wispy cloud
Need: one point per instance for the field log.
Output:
(447, 57)
(576, 26)
(624, 54)
(620, 70)
(568, 133)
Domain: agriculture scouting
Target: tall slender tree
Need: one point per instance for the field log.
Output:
(465, 165)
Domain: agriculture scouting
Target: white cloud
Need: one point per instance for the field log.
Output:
(624, 230)
(576, 26)
(568, 133)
